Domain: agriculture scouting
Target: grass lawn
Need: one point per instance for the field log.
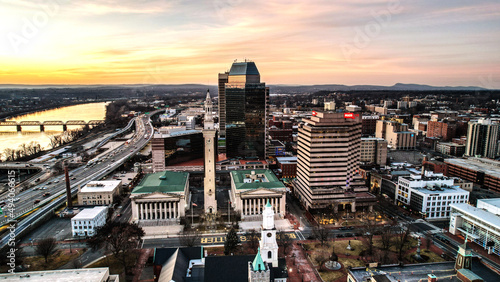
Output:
(346, 262)
(115, 266)
(331, 275)
(341, 247)
(58, 259)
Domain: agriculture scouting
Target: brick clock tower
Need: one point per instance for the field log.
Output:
(209, 134)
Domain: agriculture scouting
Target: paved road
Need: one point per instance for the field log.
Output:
(80, 176)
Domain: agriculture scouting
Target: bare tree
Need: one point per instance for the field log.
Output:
(284, 241)
(386, 237)
(9, 154)
(428, 239)
(402, 240)
(119, 238)
(321, 234)
(252, 239)
(189, 238)
(45, 247)
(369, 230)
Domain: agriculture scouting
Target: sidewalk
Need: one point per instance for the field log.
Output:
(299, 268)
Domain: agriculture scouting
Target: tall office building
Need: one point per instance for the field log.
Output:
(482, 138)
(244, 110)
(328, 161)
(222, 111)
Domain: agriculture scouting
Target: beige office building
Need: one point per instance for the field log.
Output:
(396, 134)
(328, 161)
(99, 192)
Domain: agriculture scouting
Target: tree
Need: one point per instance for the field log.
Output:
(402, 240)
(386, 237)
(45, 247)
(189, 238)
(428, 239)
(119, 238)
(284, 241)
(252, 239)
(231, 245)
(321, 234)
(369, 230)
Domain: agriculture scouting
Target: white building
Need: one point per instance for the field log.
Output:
(99, 192)
(86, 221)
(100, 274)
(430, 194)
(481, 223)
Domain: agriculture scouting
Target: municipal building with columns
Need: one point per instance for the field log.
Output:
(250, 190)
(160, 198)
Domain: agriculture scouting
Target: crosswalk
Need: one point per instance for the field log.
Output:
(299, 234)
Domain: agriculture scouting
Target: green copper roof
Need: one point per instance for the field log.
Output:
(268, 205)
(165, 182)
(258, 263)
(271, 180)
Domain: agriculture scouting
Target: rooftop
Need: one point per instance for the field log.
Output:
(263, 178)
(69, 275)
(494, 202)
(480, 214)
(88, 213)
(490, 167)
(244, 68)
(410, 273)
(164, 182)
(101, 186)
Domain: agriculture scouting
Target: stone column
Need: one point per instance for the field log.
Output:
(139, 206)
(170, 209)
(242, 206)
(370, 208)
(353, 207)
(335, 208)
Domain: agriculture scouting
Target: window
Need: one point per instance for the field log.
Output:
(269, 255)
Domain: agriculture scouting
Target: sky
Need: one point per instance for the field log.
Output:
(352, 42)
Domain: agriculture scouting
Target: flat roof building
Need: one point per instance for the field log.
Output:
(430, 194)
(100, 274)
(481, 171)
(99, 192)
(88, 220)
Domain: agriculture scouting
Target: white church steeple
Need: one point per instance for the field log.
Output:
(268, 244)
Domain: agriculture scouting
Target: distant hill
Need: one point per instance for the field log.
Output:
(339, 87)
(276, 88)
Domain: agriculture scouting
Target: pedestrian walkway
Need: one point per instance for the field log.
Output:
(141, 263)
(299, 267)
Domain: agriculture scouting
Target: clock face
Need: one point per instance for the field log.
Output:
(208, 141)
(269, 234)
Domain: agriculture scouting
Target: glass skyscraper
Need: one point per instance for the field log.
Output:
(245, 108)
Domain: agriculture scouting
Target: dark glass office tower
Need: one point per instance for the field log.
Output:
(246, 107)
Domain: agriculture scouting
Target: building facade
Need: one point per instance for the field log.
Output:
(175, 144)
(451, 149)
(160, 198)
(88, 220)
(328, 161)
(99, 192)
(251, 189)
(482, 138)
(373, 151)
(396, 134)
(430, 194)
(246, 109)
(481, 224)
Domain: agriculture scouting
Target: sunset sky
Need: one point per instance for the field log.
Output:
(447, 42)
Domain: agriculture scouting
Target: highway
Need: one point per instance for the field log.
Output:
(80, 176)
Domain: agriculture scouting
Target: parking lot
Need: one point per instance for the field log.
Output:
(59, 228)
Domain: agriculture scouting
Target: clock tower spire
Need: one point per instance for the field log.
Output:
(268, 244)
(209, 133)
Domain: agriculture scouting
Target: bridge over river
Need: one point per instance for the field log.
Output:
(41, 125)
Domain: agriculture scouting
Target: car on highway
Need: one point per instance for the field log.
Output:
(118, 215)
(37, 201)
(73, 178)
(46, 194)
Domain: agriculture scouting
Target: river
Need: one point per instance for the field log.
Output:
(10, 138)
